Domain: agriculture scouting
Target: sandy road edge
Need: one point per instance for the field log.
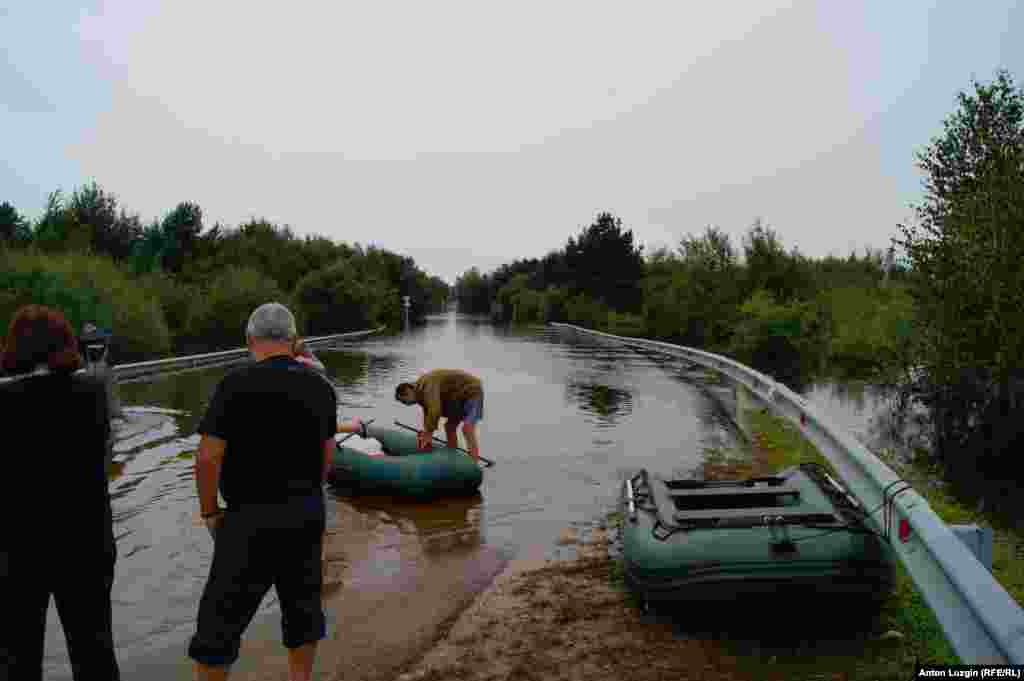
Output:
(503, 600)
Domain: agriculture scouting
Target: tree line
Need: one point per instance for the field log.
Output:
(944, 322)
(174, 286)
(768, 306)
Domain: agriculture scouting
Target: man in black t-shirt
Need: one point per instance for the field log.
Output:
(267, 439)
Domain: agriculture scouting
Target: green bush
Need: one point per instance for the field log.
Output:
(87, 289)
(873, 327)
(178, 300)
(528, 307)
(388, 311)
(625, 324)
(340, 298)
(218, 320)
(584, 311)
(555, 300)
(516, 302)
(762, 317)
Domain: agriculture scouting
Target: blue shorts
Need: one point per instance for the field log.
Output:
(474, 411)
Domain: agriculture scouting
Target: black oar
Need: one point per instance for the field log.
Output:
(366, 423)
(437, 439)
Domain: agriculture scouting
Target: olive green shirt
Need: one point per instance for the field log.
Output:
(443, 392)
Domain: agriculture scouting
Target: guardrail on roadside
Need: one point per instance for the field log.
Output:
(981, 620)
(171, 364)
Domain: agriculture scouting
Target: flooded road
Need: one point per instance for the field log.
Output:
(567, 418)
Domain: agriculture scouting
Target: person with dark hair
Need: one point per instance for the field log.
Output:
(39, 359)
(454, 394)
(267, 441)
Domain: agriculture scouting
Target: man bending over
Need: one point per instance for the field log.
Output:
(456, 395)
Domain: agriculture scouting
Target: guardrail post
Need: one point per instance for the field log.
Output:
(978, 540)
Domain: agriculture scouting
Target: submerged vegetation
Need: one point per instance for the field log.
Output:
(173, 287)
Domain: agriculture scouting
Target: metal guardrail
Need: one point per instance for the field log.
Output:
(159, 366)
(980, 619)
(171, 364)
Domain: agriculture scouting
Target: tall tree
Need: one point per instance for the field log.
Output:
(606, 264)
(181, 229)
(768, 266)
(52, 229)
(966, 250)
(706, 292)
(94, 214)
(15, 229)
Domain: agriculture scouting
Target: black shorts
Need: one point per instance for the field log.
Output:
(259, 546)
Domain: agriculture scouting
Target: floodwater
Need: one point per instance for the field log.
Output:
(567, 418)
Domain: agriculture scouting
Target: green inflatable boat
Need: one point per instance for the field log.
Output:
(798, 533)
(400, 469)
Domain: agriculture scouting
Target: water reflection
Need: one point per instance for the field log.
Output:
(345, 368)
(472, 327)
(186, 392)
(873, 414)
(382, 364)
(608, 403)
(442, 526)
(856, 395)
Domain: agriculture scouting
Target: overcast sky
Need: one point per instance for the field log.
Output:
(475, 132)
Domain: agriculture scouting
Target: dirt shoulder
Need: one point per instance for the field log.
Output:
(563, 619)
(573, 619)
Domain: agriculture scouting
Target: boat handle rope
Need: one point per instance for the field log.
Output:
(830, 486)
(838, 493)
(887, 498)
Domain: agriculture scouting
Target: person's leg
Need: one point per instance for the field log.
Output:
(239, 579)
(299, 584)
(300, 662)
(83, 604)
(474, 414)
(469, 430)
(25, 605)
(451, 429)
(203, 672)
